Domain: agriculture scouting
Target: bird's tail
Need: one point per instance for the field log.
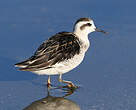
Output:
(22, 64)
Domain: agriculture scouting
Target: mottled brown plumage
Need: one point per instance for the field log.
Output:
(60, 47)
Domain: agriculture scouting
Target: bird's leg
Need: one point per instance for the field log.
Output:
(70, 84)
(48, 82)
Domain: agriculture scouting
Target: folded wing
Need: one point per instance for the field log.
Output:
(58, 48)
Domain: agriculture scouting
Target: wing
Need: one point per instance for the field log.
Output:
(59, 47)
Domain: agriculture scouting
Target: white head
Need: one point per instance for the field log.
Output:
(84, 26)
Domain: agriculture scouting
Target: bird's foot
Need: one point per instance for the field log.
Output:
(72, 86)
(48, 86)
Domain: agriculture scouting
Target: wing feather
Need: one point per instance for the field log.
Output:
(59, 47)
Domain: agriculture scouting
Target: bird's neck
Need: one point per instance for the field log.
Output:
(83, 37)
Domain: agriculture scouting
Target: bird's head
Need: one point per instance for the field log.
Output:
(85, 26)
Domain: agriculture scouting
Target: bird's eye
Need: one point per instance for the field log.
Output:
(89, 24)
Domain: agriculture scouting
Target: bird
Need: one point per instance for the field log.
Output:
(61, 52)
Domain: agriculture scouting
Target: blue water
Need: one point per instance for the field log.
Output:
(107, 76)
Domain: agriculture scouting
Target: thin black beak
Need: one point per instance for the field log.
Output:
(99, 30)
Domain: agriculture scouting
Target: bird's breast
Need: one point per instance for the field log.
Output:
(84, 45)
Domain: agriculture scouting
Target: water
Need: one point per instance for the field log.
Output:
(107, 76)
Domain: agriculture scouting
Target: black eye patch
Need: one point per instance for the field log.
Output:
(89, 24)
(84, 25)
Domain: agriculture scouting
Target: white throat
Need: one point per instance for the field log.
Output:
(83, 37)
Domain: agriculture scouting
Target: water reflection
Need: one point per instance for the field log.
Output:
(55, 103)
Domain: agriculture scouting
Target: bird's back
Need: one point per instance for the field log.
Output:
(62, 46)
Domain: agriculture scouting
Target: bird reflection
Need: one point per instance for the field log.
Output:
(55, 103)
